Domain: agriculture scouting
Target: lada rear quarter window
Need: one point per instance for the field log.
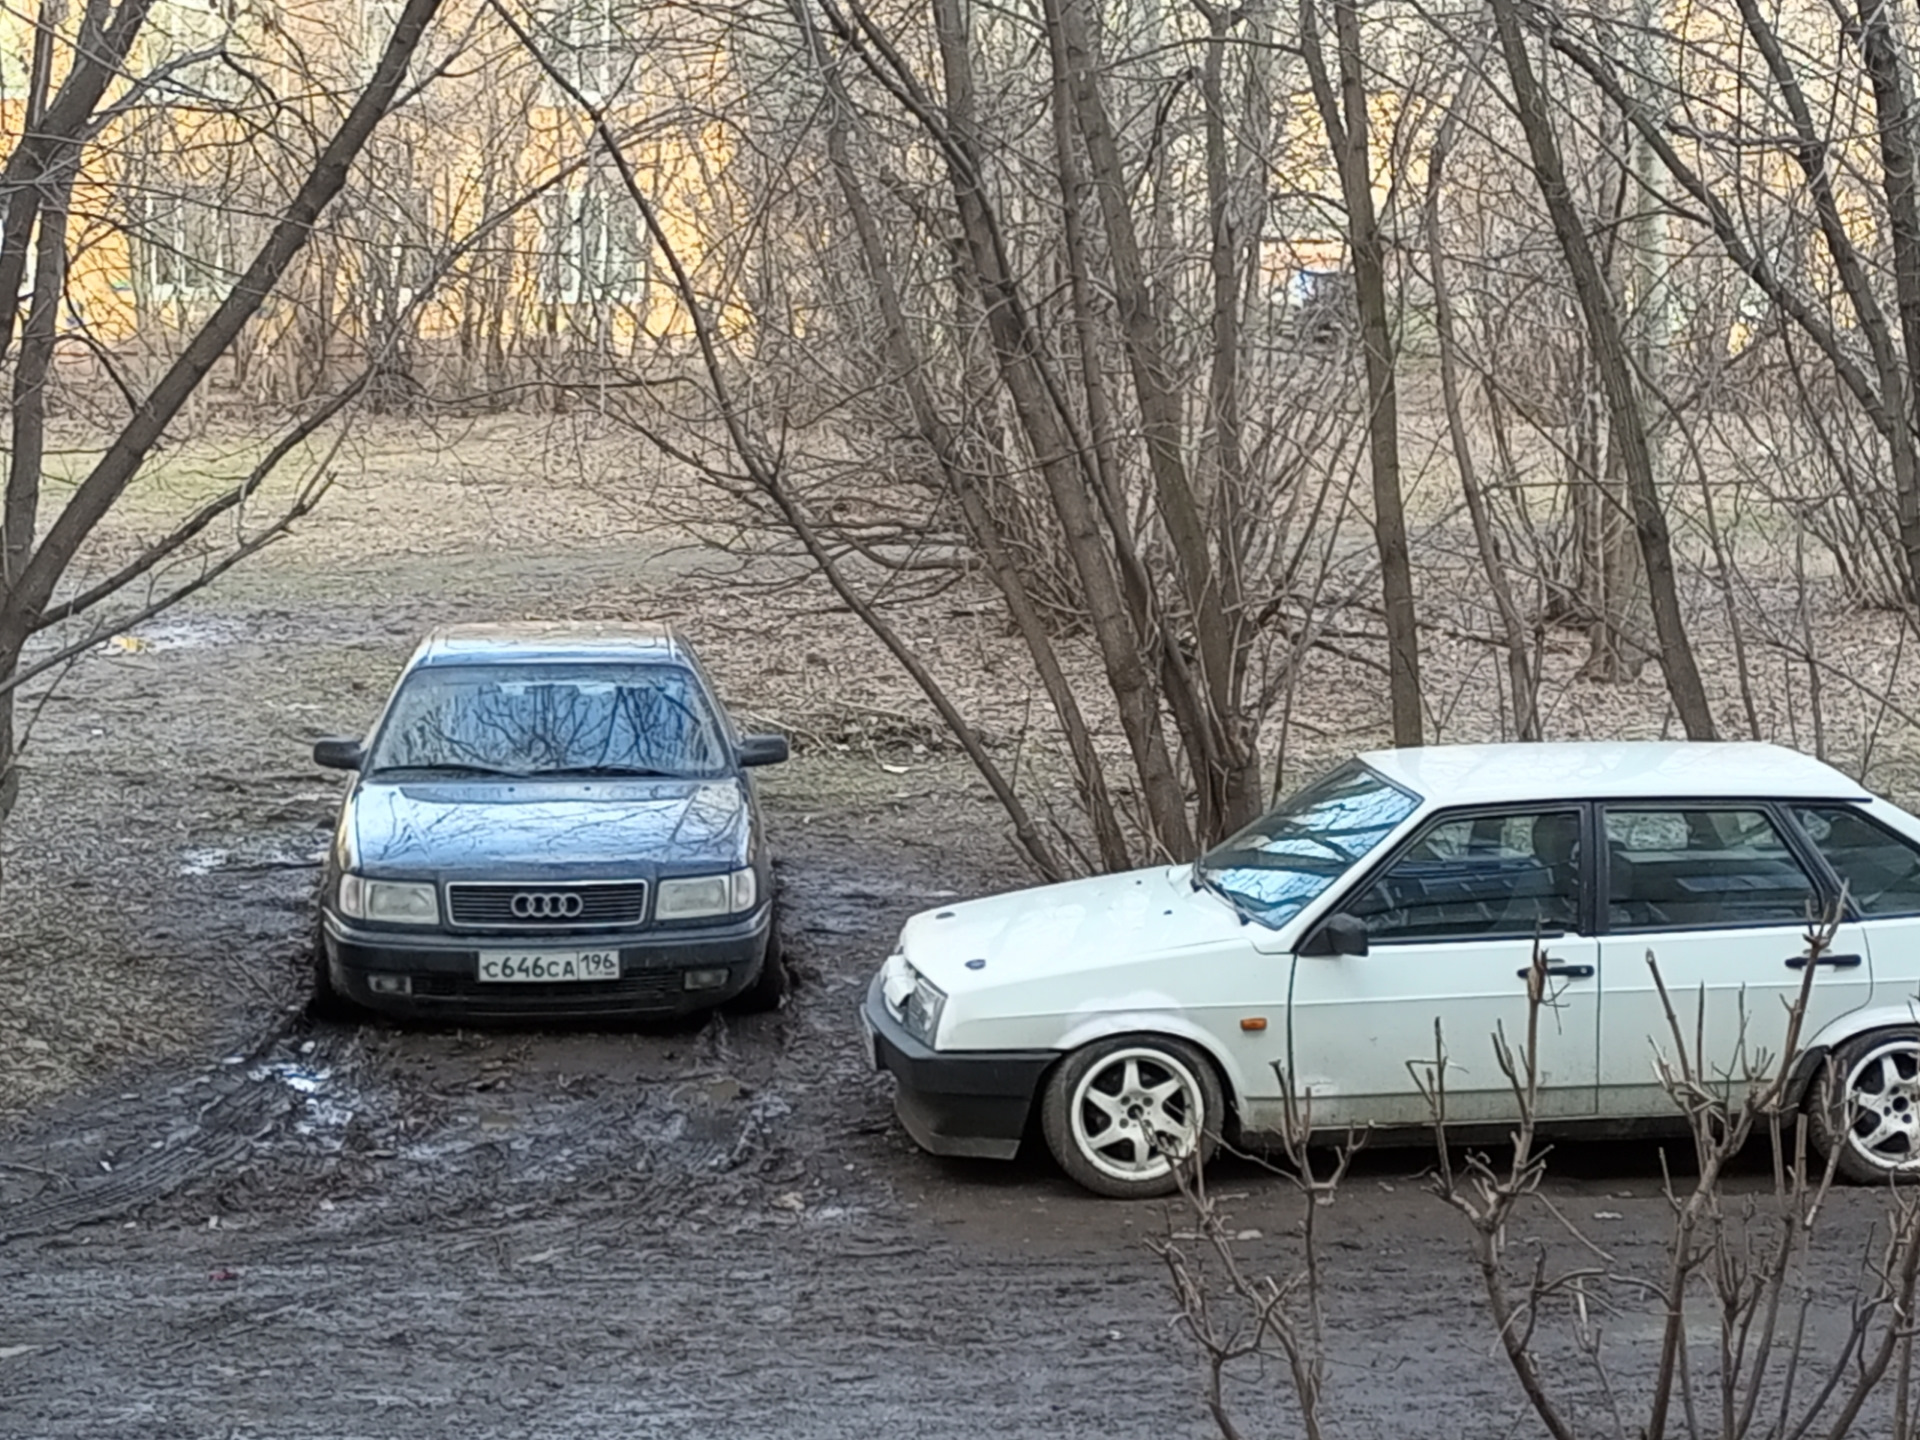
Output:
(1881, 869)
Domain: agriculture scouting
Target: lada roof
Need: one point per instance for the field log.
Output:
(1610, 770)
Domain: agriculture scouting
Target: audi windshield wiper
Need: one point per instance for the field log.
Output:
(641, 772)
(447, 768)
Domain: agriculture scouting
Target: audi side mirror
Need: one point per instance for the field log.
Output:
(337, 754)
(763, 749)
(1337, 935)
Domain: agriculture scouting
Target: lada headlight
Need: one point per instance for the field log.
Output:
(915, 1000)
(922, 1013)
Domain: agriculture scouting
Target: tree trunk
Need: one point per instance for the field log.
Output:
(1185, 695)
(904, 360)
(1215, 614)
(1120, 647)
(1345, 120)
(1625, 422)
(1513, 630)
(32, 370)
(62, 127)
(1612, 583)
(49, 154)
(9, 769)
(115, 470)
(1615, 585)
(765, 473)
(1230, 218)
(1886, 407)
(1893, 105)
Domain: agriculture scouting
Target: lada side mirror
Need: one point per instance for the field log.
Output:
(1337, 935)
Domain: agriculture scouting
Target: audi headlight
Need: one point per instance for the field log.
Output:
(700, 897)
(920, 1012)
(389, 902)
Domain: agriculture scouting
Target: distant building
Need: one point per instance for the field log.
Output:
(176, 195)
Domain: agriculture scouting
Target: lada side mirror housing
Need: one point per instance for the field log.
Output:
(1338, 934)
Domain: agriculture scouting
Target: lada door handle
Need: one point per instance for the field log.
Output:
(1838, 962)
(1569, 972)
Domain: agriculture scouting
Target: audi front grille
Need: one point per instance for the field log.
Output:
(594, 906)
(655, 989)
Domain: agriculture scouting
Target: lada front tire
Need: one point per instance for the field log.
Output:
(1120, 1115)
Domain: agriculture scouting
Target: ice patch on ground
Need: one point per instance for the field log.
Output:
(203, 860)
(323, 1112)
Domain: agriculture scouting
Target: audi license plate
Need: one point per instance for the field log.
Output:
(549, 965)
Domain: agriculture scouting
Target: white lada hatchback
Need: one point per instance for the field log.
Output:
(1148, 1012)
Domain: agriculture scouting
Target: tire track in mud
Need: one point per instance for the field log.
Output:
(580, 1326)
(223, 1130)
(307, 1119)
(295, 1123)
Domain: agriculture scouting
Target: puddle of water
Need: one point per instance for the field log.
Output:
(768, 1107)
(207, 859)
(172, 633)
(323, 1113)
(835, 1216)
(440, 1148)
(200, 861)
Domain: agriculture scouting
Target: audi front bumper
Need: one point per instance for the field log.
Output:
(437, 975)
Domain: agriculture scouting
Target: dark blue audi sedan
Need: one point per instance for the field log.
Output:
(549, 821)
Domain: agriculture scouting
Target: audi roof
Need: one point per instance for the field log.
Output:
(557, 641)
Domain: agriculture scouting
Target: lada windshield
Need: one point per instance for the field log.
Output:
(1275, 867)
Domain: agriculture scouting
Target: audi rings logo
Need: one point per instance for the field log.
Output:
(546, 905)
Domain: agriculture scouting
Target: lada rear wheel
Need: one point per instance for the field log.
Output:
(1121, 1114)
(1866, 1108)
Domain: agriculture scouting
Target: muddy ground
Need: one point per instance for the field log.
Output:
(217, 1218)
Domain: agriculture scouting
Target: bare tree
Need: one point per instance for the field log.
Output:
(1152, 521)
(1081, 382)
(40, 176)
(1345, 119)
(1626, 410)
(1521, 681)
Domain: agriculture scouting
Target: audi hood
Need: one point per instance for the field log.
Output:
(527, 829)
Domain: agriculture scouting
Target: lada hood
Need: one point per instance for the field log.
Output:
(1078, 926)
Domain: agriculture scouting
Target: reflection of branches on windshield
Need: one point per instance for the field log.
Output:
(1323, 838)
(1365, 830)
(1268, 871)
(543, 725)
(670, 723)
(1283, 860)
